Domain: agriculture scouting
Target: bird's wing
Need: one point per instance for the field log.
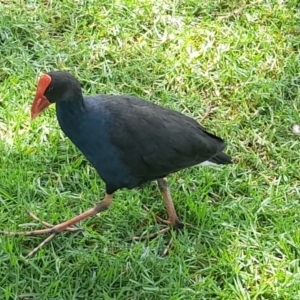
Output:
(155, 141)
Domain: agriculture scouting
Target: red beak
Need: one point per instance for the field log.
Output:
(40, 101)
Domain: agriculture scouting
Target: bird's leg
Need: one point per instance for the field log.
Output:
(53, 231)
(173, 222)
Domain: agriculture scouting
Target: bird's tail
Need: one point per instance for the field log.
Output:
(221, 159)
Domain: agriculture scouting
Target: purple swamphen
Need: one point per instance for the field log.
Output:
(128, 140)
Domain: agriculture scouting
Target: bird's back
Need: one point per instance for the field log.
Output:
(155, 141)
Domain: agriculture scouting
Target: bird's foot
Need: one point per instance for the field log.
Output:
(47, 225)
(64, 226)
(154, 235)
(49, 230)
(177, 226)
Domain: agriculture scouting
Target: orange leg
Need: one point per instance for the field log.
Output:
(173, 222)
(165, 191)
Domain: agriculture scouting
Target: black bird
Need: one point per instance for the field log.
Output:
(128, 140)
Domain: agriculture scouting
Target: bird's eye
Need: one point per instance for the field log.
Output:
(50, 88)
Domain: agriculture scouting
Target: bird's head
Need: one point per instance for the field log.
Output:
(54, 87)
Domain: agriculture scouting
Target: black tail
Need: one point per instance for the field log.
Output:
(221, 159)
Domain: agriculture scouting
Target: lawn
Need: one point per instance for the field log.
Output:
(236, 62)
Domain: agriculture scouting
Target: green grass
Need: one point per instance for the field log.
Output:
(240, 56)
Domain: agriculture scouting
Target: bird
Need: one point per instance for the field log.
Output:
(128, 140)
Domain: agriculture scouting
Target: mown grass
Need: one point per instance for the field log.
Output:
(242, 57)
